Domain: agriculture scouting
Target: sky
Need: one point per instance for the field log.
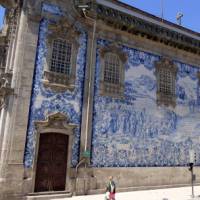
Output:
(2, 10)
(189, 8)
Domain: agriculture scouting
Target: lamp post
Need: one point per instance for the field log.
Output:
(192, 156)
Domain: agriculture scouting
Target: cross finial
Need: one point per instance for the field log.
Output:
(179, 17)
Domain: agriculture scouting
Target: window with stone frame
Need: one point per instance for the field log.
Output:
(112, 73)
(62, 48)
(166, 72)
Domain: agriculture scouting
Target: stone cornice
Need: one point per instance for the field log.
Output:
(9, 3)
(137, 26)
(114, 48)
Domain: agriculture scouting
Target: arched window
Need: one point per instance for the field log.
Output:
(166, 78)
(112, 73)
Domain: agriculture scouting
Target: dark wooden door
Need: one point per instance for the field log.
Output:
(51, 163)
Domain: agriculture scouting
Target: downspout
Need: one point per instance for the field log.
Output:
(76, 173)
(84, 160)
(90, 74)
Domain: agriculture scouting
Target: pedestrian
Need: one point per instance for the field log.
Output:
(110, 189)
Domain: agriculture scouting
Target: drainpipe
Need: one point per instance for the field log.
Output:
(90, 74)
(84, 159)
(76, 173)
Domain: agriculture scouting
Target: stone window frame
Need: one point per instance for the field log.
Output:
(115, 90)
(61, 82)
(163, 66)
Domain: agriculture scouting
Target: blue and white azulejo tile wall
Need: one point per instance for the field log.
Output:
(134, 131)
(127, 132)
(45, 101)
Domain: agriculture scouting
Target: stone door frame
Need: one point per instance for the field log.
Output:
(56, 123)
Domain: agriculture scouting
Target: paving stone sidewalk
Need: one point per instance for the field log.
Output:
(183, 193)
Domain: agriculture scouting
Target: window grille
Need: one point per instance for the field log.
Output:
(166, 80)
(12, 29)
(61, 57)
(112, 69)
(13, 17)
(166, 77)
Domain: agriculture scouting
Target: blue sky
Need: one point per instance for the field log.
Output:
(2, 10)
(190, 9)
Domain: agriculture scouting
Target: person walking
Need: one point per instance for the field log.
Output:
(110, 189)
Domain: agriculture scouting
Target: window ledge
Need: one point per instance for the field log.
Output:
(58, 87)
(58, 82)
(114, 96)
(112, 90)
(167, 100)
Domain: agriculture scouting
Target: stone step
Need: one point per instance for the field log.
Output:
(48, 195)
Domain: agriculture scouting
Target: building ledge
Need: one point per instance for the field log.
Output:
(9, 3)
(155, 32)
(145, 25)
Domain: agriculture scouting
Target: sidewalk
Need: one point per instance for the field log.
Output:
(183, 193)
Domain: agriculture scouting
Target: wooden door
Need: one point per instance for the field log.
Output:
(51, 163)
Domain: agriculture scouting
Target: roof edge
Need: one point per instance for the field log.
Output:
(154, 17)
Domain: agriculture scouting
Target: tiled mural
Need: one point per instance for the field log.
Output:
(134, 131)
(45, 101)
(129, 132)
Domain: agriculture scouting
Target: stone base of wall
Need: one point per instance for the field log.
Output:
(94, 180)
(11, 182)
(12, 197)
(129, 179)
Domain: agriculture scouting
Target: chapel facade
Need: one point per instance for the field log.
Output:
(90, 89)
